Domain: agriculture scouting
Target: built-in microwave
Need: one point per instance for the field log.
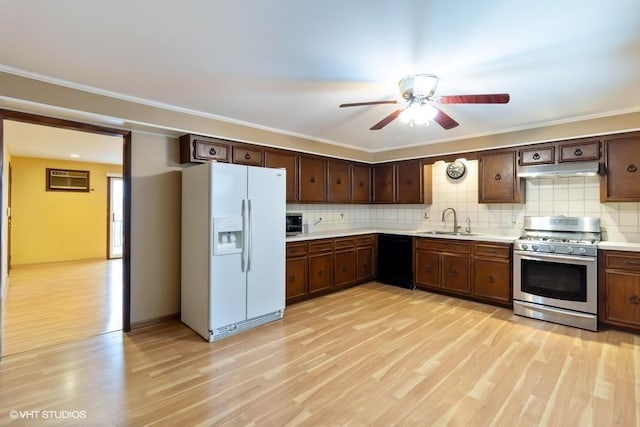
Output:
(294, 223)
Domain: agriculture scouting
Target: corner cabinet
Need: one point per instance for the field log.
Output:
(621, 180)
(497, 178)
(619, 288)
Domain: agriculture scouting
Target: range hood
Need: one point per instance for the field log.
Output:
(567, 169)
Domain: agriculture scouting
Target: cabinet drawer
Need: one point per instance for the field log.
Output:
(537, 156)
(579, 151)
(296, 249)
(204, 150)
(623, 261)
(493, 251)
(365, 241)
(245, 156)
(443, 245)
(321, 246)
(344, 243)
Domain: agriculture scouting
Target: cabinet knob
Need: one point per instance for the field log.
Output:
(313, 179)
(491, 251)
(427, 269)
(361, 184)
(454, 273)
(292, 278)
(634, 299)
(247, 156)
(321, 273)
(632, 168)
(345, 268)
(577, 152)
(338, 181)
(536, 156)
(632, 262)
(213, 151)
(498, 177)
(492, 279)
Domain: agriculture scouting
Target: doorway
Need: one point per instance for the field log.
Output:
(116, 217)
(116, 271)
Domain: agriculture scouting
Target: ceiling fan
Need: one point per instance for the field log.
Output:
(418, 90)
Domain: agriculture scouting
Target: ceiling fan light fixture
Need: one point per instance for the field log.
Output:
(418, 86)
(418, 113)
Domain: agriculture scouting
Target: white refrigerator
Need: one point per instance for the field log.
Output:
(233, 248)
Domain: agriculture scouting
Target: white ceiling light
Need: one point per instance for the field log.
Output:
(418, 86)
(418, 113)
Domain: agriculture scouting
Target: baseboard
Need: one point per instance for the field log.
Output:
(154, 321)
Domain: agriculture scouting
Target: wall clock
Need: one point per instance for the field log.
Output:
(455, 170)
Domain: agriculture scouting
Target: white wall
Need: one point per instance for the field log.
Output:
(155, 227)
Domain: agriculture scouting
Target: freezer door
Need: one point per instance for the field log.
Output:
(266, 246)
(227, 300)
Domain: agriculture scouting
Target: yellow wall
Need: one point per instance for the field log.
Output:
(57, 225)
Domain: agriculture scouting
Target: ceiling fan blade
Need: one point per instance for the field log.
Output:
(489, 98)
(382, 123)
(360, 104)
(444, 120)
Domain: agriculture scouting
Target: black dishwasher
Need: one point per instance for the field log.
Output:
(395, 260)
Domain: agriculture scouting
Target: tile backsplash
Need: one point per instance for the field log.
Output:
(575, 196)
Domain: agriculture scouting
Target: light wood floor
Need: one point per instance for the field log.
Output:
(58, 302)
(374, 355)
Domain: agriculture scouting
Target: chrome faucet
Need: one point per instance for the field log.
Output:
(455, 218)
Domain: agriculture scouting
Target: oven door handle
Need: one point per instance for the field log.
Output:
(527, 255)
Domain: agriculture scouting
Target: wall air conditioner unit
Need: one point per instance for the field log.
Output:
(67, 180)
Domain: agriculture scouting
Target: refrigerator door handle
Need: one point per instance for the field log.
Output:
(250, 238)
(244, 227)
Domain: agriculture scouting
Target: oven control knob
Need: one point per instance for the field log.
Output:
(525, 246)
(552, 248)
(570, 250)
(534, 247)
(582, 251)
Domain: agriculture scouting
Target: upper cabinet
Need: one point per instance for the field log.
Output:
(407, 181)
(537, 156)
(198, 149)
(313, 176)
(360, 183)
(288, 161)
(338, 182)
(621, 180)
(579, 151)
(497, 179)
(575, 150)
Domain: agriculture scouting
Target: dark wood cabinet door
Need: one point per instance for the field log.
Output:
(409, 181)
(622, 299)
(360, 183)
(622, 180)
(296, 287)
(455, 273)
(320, 272)
(383, 183)
(492, 280)
(247, 156)
(345, 268)
(426, 270)
(579, 151)
(338, 182)
(289, 162)
(537, 156)
(365, 260)
(312, 179)
(497, 181)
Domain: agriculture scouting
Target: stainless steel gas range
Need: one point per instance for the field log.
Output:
(555, 276)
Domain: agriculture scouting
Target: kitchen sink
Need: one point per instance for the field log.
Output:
(448, 233)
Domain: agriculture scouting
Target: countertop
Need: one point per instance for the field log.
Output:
(483, 237)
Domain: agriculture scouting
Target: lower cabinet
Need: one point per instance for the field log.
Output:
(318, 267)
(619, 288)
(442, 264)
(492, 272)
(479, 270)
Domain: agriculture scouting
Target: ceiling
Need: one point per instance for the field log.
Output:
(286, 65)
(30, 140)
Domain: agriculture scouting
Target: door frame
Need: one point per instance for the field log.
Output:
(126, 171)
